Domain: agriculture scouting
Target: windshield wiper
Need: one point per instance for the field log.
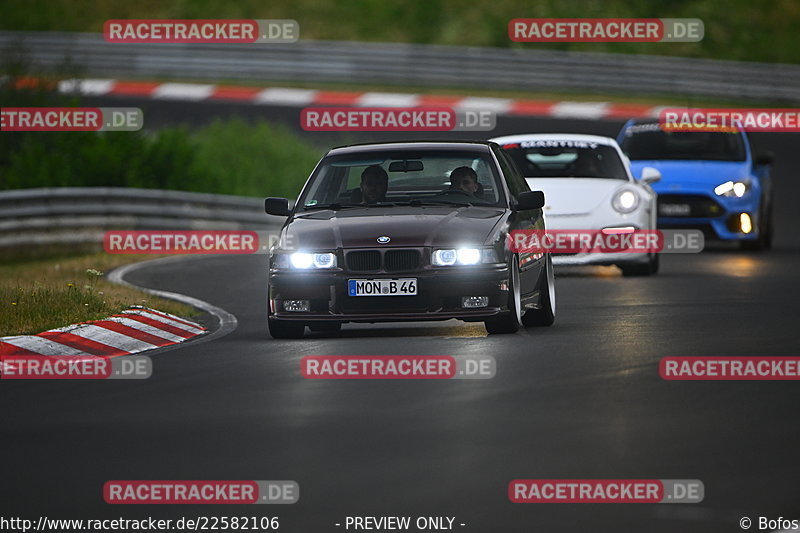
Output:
(418, 203)
(334, 206)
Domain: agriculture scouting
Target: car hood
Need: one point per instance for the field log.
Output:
(357, 228)
(575, 196)
(692, 175)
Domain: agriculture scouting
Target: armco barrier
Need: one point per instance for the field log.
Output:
(417, 65)
(83, 214)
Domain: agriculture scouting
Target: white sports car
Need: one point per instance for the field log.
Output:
(588, 185)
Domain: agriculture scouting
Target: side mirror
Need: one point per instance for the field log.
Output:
(277, 206)
(764, 158)
(530, 200)
(650, 175)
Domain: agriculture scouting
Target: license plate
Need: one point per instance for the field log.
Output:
(675, 209)
(382, 287)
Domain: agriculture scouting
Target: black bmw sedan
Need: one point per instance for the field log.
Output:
(409, 231)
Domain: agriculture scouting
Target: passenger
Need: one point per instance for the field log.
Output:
(464, 179)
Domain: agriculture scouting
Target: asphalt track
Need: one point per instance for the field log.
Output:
(582, 399)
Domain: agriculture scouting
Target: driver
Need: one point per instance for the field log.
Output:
(374, 183)
(587, 166)
(464, 179)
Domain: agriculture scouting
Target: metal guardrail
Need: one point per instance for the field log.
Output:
(83, 214)
(405, 64)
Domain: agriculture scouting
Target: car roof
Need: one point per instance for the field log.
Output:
(599, 139)
(410, 145)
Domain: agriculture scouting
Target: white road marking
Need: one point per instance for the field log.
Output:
(183, 91)
(279, 95)
(41, 345)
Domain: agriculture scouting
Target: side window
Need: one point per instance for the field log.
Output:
(353, 178)
(516, 183)
(518, 176)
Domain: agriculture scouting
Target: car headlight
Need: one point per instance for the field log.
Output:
(732, 189)
(625, 201)
(463, 256)
(306, 261)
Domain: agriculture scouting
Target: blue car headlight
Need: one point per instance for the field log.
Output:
(732, 189)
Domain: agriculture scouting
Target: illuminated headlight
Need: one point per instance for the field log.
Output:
(305, 260)
(468, 256)
(625, 201)
(731, 189)
(746, 223)
(444, 257)
(463, 256)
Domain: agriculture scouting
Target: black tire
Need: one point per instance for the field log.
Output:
(325, 327)
(641, 269)
(546, 314)
(768, 233)
(285, 329)
(770, 223)
(655, 264)
(510, 322)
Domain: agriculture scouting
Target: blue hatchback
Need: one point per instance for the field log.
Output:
(710, 181)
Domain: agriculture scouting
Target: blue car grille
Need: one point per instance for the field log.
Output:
(688, 206)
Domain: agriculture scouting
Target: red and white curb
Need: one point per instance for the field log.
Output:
(135, 330)
(309, 97)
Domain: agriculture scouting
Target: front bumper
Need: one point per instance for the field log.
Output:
(717, 216)
(599, 259)
(439, 295)
(639, 219)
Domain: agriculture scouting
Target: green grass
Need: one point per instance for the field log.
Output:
(225, 157)
(259, 159)
(735, 29)
(45, 293)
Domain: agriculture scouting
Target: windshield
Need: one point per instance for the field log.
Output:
(404, 178)
(650, 142)
(567, 159)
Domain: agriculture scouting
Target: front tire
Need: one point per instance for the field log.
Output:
(285, 329)
(546, 314)
(511, 322)
(641, 269)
